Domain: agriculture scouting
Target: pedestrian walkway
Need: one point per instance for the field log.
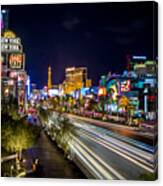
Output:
(52, 160)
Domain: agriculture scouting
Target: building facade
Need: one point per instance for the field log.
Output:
(138, 85)
(75, 79)
(13, 74)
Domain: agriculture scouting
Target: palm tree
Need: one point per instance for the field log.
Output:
(124, 103)
(130, 110)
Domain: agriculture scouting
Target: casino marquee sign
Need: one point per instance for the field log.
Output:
(11, 47)
(16, 61)
(10, 43)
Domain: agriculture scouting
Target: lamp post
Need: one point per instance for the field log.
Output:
(145, 101)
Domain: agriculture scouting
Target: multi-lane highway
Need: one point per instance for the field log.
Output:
(105, 154)
(128, 131)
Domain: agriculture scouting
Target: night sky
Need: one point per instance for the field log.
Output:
(98, 36)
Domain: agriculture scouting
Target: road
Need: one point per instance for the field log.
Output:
(114, 161)
(52, 160)
(99, 152)
(110, 155)
(131, 132)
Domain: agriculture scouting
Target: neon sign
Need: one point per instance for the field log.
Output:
(16, 61)
(102, 91)
(139, 57)
(11, 48)
(125, 86)
(10, 43)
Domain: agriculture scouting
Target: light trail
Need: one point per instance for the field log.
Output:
(89, 162)
(131, 151)
(96, 157)
(121, 154)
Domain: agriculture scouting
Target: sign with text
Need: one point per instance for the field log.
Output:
(16, 61)
(10, 45)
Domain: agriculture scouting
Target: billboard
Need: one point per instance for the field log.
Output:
(16, 61)
(125, 86)
(10, 43)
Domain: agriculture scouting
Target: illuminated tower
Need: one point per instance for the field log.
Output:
(4, 20)
(49, 78)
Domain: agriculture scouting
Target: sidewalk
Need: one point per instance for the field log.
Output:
(52, 160)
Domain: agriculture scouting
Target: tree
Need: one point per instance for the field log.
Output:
(123, 103)
(10, 107)
(18, 135)
(81, 102)
(93, 105)
(55, 102)
(130, 111)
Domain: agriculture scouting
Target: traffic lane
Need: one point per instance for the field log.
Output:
(126, 168)
(119, 145)
(52, 160)
(107, 134)
(125, 131)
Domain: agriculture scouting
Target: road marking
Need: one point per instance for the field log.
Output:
(121, 154)
(125, 148)
(119, 176)
(97, 174)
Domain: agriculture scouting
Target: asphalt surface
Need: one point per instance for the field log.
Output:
(123, 166)
(53, 164)
(131, 132)
(128, 166)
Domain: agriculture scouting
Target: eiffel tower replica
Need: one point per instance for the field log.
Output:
(49, 78)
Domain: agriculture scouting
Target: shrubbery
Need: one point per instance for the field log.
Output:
(17, 135)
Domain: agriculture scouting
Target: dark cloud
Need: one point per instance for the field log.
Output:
(134, 25)
(124, 40)
(88, 35)
(139, 24)
(69, 24)
(118, 29)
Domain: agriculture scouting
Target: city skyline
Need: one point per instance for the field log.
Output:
(79, 91)
(98, 36)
